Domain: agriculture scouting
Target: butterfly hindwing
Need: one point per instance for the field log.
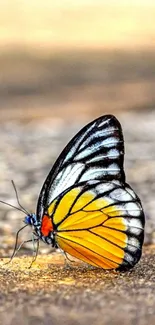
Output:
(102, 223)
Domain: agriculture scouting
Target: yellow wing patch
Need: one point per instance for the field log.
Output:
(82, 201)
(99, 203)
(116, 223)
(82, 220)
(112, 235)
(112, 211)
(95, 244)
(64, 205)
(51, 207)
(91, 228)
(84, 254)
(89, 252)
(81, 212)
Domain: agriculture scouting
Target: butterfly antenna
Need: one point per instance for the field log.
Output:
(16, 243)
(15, 189)
(13, 206)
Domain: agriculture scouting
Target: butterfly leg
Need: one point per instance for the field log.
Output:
(17, 249)
(66, 256)
(35, 249)
(66, 259)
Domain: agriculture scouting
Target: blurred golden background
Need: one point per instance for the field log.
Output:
(93, 56)
(72, 61)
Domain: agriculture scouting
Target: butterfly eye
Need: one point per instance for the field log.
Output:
(28, 220)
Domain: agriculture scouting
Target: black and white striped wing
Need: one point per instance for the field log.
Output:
(95, 153)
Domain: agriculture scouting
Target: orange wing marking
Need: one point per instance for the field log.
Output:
(46, 226)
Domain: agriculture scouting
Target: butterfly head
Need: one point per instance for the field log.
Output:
(43, 230)
(30, 219)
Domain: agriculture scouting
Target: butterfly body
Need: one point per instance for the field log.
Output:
(43, 231)
(86, 207)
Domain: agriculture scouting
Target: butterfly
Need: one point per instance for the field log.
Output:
(85, 207)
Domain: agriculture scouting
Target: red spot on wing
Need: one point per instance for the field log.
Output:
(46, 226)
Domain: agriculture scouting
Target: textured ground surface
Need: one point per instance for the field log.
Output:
(29, 149)
(50, 293)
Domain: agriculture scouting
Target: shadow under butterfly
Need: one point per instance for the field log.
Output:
(85, 207)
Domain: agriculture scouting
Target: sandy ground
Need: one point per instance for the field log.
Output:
(51, 293)
(33, 128)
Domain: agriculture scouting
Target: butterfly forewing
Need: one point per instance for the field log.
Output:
(96, 152)
(95, 215)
